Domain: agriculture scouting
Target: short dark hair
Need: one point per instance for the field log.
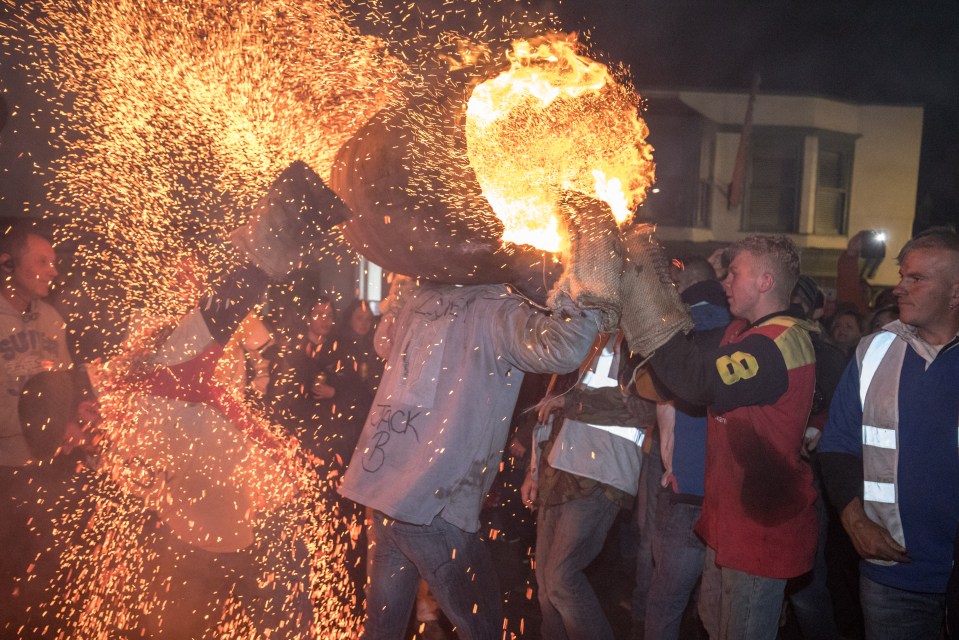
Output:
(847, 309)
(14, 240)
(48, 404)
(698, 268)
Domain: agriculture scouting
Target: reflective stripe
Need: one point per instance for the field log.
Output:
(594, 381)
(870, 362)
(632, 434)
(542, 430)
(879, 492)
(598, 377)
(878, 437)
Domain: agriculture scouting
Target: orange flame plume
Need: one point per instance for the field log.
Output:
(555, 120)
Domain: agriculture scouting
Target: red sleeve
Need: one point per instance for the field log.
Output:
(849, 284)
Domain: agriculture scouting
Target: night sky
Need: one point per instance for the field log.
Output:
(881, 51)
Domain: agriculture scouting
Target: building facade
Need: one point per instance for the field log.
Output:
(817, 169)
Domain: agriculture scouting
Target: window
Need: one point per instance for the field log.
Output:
(677, 133)
(774, 179)
(833, 177)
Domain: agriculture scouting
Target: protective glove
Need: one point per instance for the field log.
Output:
(289, 220)
(594, 259)
(652, 309)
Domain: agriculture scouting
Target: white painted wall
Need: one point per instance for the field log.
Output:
(885, 167)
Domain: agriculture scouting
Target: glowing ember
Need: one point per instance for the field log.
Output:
(172, 117)
(556, 120)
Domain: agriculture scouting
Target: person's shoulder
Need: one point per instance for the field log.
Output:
(885, 338)
(792, 337)
(497, 294)
(42, 306)
(46, 312)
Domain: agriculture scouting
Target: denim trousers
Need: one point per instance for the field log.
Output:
(809, 593)
(649, 476)
(749, 606)
(894, 614)
(569, 536)
(678, 555)
(454, 563)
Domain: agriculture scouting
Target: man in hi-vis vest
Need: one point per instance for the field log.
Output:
(587, 470)
(889, 451)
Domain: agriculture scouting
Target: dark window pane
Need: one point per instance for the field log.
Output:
(772, 209)
(830, 212)
(775, 171)
(775, 175)
(830, 170)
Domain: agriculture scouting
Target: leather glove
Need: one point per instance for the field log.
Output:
(289, 220)
(594, 260)
(652, 309)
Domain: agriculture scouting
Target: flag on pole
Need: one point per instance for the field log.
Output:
(737, 185)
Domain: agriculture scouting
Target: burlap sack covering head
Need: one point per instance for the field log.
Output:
(47, 405)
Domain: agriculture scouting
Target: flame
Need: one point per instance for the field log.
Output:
(556, 120)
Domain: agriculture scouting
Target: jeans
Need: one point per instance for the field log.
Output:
(569, 536)
(809, 593)
(649, 477)
(749, 606)
(455, 564)
(678, 555)
(894, 614)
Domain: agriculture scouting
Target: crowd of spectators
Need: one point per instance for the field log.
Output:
(687, 457)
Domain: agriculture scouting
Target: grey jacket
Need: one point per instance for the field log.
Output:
(434, 438)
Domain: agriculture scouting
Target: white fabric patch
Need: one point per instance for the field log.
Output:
(878, 437)
(599, 376)
(629, 433)
(879, 492)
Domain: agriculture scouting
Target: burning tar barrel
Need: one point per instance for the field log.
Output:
(458, 182)
(417, 206)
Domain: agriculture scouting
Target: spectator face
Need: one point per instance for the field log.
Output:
(321, 318)
(927, 286)
(846, 331)
(742, 285)
(361, 320)
(35, 269)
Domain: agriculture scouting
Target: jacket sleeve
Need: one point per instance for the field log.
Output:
(849, 284)
(232, 300)
(840, 450)
(750, 372)
(538, 342)
(609, 406)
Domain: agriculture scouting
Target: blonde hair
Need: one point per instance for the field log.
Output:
(779, 254)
